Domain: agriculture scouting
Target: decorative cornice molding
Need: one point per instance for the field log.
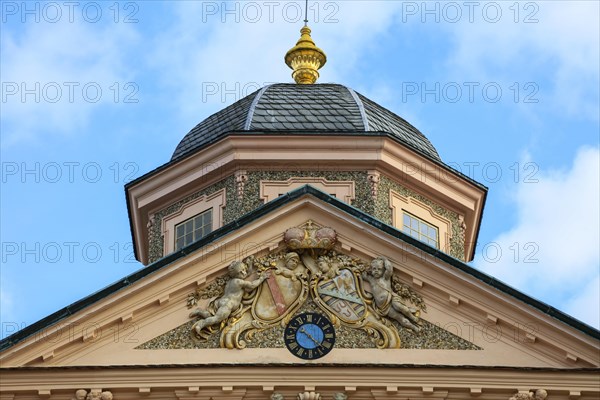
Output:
(214, 382)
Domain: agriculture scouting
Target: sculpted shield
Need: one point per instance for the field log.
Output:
(282, 292)
(340, 295)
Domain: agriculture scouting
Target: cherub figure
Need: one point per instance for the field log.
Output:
(326, 268)
(387, 302)
(539, 394)
(277, 396)
(106, 396)
(82, 394)
(293, 270)
(231, 299)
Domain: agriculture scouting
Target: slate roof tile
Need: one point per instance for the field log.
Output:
(317, 108)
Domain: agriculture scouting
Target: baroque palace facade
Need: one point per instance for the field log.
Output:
(304, 243)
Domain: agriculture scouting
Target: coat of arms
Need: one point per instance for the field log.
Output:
(348, 290)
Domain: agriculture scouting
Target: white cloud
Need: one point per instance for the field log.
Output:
(55, 63)
(552, 252)
(559, 50)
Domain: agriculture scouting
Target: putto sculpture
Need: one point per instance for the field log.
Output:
(83, 394)
(388, 303)
(539, 394)
(231, 299)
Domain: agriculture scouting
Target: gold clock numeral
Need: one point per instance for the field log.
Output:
(300, 352)
(293, 345)
(327, 345)
(290, 337)
(329, 336)
(309, 318)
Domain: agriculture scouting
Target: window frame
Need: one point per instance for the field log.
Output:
(204, 228)
(400, 204)
(215, 201)
(420, 235)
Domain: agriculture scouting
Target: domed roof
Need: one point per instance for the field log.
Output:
(301, 109)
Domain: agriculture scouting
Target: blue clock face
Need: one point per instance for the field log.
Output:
(309, 336)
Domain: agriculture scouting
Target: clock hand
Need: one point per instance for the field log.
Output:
(309, 336)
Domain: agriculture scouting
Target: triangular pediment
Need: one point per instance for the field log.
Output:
(350, 334)
(460, 319)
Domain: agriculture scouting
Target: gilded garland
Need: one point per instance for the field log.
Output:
(348, 290)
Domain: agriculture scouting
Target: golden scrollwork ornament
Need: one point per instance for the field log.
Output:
(349, 291)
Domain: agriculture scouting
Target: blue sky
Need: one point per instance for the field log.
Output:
(95, 94)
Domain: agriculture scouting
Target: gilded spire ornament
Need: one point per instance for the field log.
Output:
(305, 59)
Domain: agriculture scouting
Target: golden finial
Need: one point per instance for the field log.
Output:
(305, 59)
